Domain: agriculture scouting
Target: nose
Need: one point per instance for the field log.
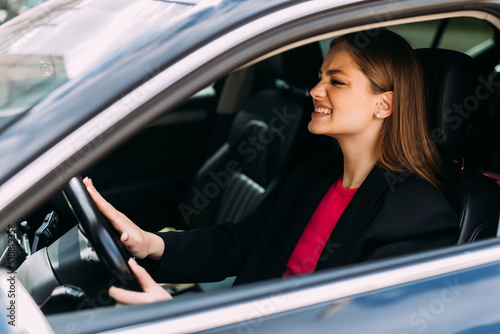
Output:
(317, 91)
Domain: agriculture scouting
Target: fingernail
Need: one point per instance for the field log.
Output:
(132, 261)
(125, 236)
(92, 183)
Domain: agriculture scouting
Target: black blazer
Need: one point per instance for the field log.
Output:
(390, 214)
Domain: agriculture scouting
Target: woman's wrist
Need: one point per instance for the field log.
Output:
(155, 246)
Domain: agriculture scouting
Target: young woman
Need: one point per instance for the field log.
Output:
(381, 198)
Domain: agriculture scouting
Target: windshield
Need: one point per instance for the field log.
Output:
(44, 48)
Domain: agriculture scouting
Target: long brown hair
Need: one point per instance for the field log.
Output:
(390, 64)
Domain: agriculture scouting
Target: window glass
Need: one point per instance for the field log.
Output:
(325, 46)
(418, 34)
(40, 53)
(466, 34)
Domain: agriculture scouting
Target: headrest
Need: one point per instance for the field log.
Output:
(455, 101)
(261, 134)
(256, 149)
(297, 67)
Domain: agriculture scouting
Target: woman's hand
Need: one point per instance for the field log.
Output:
(140, 243)
(152, 291)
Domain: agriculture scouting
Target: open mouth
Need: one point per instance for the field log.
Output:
(325, 111)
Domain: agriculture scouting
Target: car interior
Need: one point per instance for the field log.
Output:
(228, 148)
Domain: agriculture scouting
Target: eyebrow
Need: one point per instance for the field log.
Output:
(332, 72)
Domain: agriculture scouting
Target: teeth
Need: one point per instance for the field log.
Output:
(325, 111)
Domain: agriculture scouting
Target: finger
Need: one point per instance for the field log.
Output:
(88, 181)
(145, 280)
(123, 296)
(124, 238)
(131, 245)
(106, 208)
(102, 204)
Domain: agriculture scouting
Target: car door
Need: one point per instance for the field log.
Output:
(422, 292)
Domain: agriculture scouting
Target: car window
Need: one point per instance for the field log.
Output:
(464, 34)
(25, 79)
(49, 51)
(419, 34)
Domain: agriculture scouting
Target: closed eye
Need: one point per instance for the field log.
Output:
(337, 83)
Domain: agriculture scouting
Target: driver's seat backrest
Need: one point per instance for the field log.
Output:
(457, 118)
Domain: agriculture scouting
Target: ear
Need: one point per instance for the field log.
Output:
(384, 105)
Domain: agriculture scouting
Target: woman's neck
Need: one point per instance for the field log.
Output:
(358, 163)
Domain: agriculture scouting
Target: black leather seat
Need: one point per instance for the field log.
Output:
(456, 105)
(248, 167)
(490, 162)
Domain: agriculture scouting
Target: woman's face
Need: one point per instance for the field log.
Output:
(344, 105)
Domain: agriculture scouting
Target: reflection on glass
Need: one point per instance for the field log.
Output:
(25, 79)
(64, 40)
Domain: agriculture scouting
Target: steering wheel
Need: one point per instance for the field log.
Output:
(101, 234)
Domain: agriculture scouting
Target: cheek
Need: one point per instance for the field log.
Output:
(353, 106)
(345, 97)
(337, 97)
(359, 104)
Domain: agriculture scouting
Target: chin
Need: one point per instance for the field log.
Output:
(313, 129)
(317, 129)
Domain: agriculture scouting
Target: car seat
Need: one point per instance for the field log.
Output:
(247, 169)
(249, 166)
(456, 106)
(489, 163)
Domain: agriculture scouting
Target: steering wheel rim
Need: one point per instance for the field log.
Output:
(101, 234)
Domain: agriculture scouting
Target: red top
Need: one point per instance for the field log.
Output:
(306, 254)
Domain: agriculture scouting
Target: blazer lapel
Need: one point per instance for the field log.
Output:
(274, 262)
(342, 244)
